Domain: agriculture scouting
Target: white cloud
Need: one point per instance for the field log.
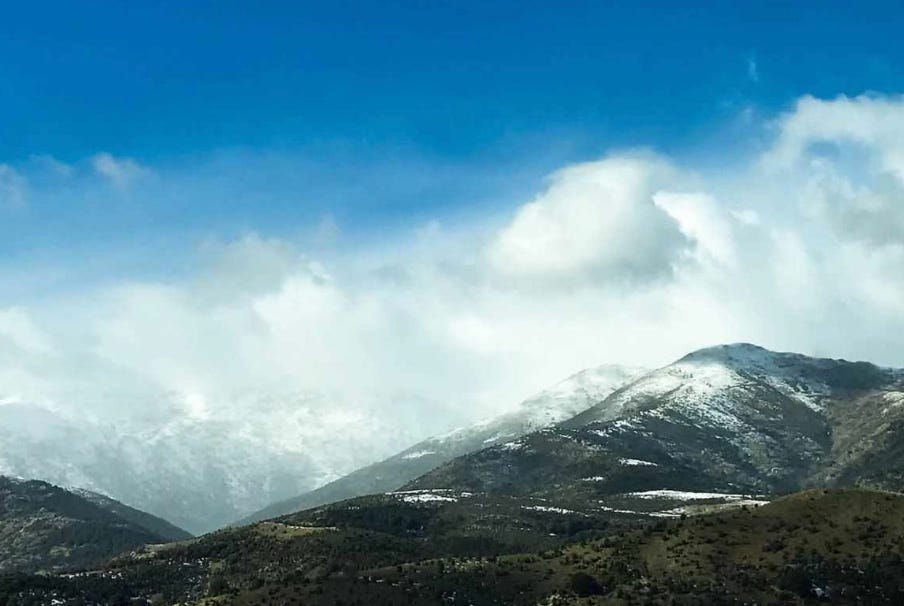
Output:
(596, 220)
(120, 172)
(702, 221)
(627, 259)
(850, 154)
(12, 188)
(52, 166)
(753, 70)
(19, 330)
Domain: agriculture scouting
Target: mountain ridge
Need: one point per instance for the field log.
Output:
(673, 486)
(255, 450)
(545, 408)
(736, 417)
(43, 526)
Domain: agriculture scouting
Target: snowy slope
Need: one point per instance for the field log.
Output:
(560, 402)
(733, 419)
(708, 383)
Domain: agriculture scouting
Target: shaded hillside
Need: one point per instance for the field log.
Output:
(45, 527)
(841, 546)
(548, 407)
(153, 524)
(203, 472)
(339, 539)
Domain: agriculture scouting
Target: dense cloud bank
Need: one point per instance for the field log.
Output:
(633, 258)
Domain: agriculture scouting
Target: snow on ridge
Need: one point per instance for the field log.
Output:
(418, 454)
(514, 445)
(558, 403)
(495, 437)
(575, 394)
(701, 385)
(786, 372)
(617, 426)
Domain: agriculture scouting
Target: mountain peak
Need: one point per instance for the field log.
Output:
(732, 352)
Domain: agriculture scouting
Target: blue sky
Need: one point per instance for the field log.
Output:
(479, 98)
(166, 80)
(163, 78)
(196, 197)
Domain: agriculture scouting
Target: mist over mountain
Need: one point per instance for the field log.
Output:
(45, 527)
(204, 471)
(616, 482)
(546, 408)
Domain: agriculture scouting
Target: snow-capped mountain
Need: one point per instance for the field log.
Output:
(729, 419)
(546, 408)
(202, 471)
(710, 382)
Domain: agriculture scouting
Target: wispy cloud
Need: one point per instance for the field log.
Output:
(632, 258)
(753, 70)
(13, 188)
(121, 172)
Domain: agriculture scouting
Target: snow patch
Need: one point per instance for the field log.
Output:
(637, 462)
(550, 509)
(428, 497)
(418, 454)
(494, 438)
(516, 445)
(681, 495)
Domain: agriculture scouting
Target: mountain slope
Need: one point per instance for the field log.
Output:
(46, 527)
(203, 470)
(548, 407)
(839, 547)
(843, 547)
(732, 419)
(153, 524)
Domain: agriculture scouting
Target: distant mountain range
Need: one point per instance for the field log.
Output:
(659, 487)
(546, 408)
(45, 527)
(205, 471)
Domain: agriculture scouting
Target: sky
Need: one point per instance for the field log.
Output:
(460, 201)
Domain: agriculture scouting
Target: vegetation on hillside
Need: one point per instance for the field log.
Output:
(844, 546)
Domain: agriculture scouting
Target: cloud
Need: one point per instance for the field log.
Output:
(18, 330)
(850, 154)
(597, 220)
(120, 172)
(634, 258)
(50, 165)
(753, 71)
(12, 188)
